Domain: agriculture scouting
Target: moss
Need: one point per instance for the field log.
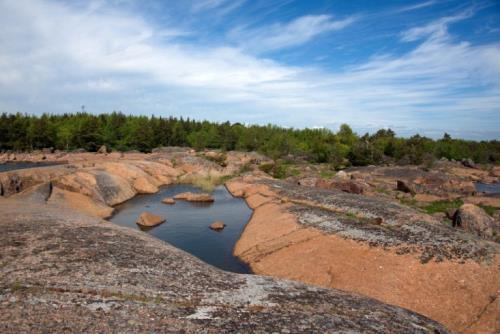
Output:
(442, 206)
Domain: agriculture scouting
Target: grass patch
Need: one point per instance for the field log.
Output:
(381, 190)
(327, 174)
(489, 209)
(442, 206)
(280, 170)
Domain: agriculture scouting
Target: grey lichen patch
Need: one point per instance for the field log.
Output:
(381, 223)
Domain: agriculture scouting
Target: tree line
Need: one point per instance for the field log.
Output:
(24, 132)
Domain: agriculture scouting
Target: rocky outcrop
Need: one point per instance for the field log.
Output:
(63, 271)
(370, 246)
(473, 219)
(149, 219)
(194, 197)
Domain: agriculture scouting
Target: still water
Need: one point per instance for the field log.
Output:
(187, 225)
(23, 165)
(491, 188)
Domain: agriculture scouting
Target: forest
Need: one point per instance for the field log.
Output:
(120, 132)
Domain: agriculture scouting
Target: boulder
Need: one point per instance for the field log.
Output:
(168, 200)
(405, 186)
(468, 163)
(475, 220)
(148, 219)
(217, 226)
(102, 150)
(342, 175)
(194, 197)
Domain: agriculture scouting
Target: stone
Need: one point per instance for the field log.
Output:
(102, 150)
(217, 226)
(168, 200)
(468, 163)
(194, 197)
(148, 219)
(342, 175)
(473, 219)
(405, 186)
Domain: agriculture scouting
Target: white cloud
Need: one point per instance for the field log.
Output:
(55, 58)
(296, 32)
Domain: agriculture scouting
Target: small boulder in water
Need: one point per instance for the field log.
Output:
(168, 200)
(217, 226)
(148, 219)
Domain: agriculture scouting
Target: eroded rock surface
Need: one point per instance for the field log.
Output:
(62, 271)
(371, 246)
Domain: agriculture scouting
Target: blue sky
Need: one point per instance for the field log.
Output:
(414, 66)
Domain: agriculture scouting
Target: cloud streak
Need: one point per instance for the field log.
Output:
(297, 32)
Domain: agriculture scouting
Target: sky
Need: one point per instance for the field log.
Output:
(427, 67)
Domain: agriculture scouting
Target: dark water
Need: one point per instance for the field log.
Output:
(23, 165)
(492, 188)
(187, 225)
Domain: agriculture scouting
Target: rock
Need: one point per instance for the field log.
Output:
(468, 163)
(102, 150)
(342, 175)
(346, 185)
(450, 213)
(439, 216)
(148, 219)
(69, 273)
(427, 198)
(405, 186)
(308, 181)
(217, 226)
(168, 200)
(406, 258)
(194, 197)
(473, 219)
(48, 150)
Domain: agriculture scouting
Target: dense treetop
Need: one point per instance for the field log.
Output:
(23, 132)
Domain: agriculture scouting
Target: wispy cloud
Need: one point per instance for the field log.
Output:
(55, 58)
(414, 7)
(437, 29)
(296, 32)
(223, 7)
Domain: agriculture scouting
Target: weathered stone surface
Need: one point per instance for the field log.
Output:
(149, 219)
(475, 220)
(66, 272)
(168, 200)
(194, 197)
(217, 226)
(332, 239)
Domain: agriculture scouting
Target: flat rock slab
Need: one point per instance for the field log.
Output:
(66, 272)
(194, 197)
